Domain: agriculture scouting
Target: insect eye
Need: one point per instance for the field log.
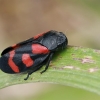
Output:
(60, 40)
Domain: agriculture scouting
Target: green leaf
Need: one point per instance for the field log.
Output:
(75, 66)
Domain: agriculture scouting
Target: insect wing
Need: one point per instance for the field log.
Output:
(24, 58)
(33, 39)
(8, 49)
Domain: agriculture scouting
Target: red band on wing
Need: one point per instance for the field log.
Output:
(13, 66)
(27, 60)
(15, 46)
(39, 49)
(37, 36)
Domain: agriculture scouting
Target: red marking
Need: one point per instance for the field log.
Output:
(37, 36)
(39, 49)
(15, 46)
(27, 60)
(11, 63)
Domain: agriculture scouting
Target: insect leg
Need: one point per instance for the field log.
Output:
(27, 76)
(33, 70)
(48, 62)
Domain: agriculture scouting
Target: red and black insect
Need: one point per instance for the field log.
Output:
(30, 55)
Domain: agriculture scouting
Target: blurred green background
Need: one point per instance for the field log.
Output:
(22, 19)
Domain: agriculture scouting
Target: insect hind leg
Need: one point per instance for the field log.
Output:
(27, 76)
(33, 70)
(48, 62)
(47, 65)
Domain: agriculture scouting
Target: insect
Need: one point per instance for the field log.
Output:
(30, 55)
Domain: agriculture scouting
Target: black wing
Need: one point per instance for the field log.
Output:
(8, 49)
(34, 39)
(16, 57)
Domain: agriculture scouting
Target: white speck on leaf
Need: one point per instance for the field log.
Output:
(69, 67)
(93, 69)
